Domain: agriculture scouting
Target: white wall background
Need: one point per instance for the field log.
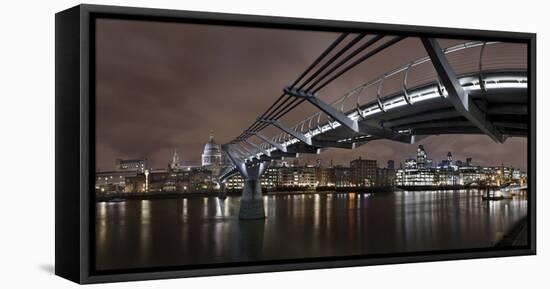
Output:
(27, 140)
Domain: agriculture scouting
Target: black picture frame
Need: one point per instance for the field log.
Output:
(75, 141)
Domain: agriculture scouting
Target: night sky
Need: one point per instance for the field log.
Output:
(164, 86)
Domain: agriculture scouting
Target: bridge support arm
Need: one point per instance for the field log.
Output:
(246, 149)
(237, 151)
(271, 142)
(298, 135)
(384, 133)
(326, 108)
(239, 165)
(248, 153)
(456, 94)
(265, 152)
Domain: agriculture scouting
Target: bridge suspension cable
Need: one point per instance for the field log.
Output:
(336, 68)
(267, 113)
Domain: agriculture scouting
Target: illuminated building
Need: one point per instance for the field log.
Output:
(429, 163)
(135, 184)
(416, 177)
(420, 157)
(269, 180)
(447, 177)
(212, 153)
(177, 181)
(131, 165)
(112, 181)
(448, 163)
(410, 164)
(325, 177)
(385, 177)
(342, 176)
(469, 175)
(235, 182)
(297, 176)
(363, 172)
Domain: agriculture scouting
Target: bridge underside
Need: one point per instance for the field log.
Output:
(427, 113)
(505, 108)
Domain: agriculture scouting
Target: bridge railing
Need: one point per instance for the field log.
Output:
(469, 57)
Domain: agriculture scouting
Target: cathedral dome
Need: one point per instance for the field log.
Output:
(211, 146)
(212, 153)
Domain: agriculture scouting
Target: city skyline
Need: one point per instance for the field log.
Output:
(156, 93)
(421, 171)
(325, 162)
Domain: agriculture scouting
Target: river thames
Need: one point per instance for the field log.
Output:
(206, 230)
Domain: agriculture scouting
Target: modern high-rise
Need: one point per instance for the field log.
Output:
(420, 157)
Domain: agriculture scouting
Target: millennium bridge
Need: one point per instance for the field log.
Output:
(475, 93)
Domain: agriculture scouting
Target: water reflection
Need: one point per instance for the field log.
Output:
(184, 212)
(167, 232)
(145, 237)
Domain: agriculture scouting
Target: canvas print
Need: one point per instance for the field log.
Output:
(234, 145)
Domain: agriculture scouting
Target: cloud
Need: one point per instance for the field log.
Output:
(165, 86)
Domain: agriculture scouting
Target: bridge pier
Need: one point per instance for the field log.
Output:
(252, 203)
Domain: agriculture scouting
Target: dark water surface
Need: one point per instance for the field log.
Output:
(171, 232)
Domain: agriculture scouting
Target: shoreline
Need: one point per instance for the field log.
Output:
(236, 193)
(207, 194)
